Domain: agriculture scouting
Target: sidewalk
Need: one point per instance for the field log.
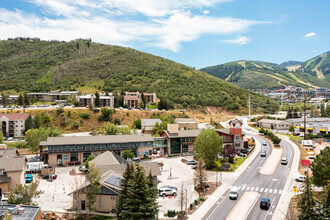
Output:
(283, 203)
(228, 180)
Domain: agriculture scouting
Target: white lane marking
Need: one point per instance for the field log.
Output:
(261, 189)
(257, 189)
(269, 208)
(280, 192)
(252, 206)
(275, 180)
(252, 188)
(266, 190)
(217, 206)
(275, 191)
(243, 187)
(270, 190)
(239, 187)
(247, 188)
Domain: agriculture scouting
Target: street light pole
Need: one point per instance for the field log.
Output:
(186, 199)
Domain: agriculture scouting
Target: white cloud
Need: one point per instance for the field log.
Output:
(164, 24)
(205, 12)
(311, 34)
(240, 40)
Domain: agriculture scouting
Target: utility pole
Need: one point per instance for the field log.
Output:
(249, 106)
(305, 117)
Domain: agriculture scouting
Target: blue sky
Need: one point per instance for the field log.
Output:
(197, 33)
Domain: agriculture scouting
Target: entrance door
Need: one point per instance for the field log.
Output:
(0, 191)
(83, 205)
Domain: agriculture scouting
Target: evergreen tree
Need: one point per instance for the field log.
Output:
(2, 140)
(321, 169)
(322, 110)
(20, 100)
(306, 201)
(97, 99)
(4, 97)
(28, 123)
(152, 196)
(37, 122)
(327, 111)
(138, 197)
(121, 206)
(26, 99)
(143, 100)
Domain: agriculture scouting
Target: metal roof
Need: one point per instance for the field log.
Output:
(113, 180)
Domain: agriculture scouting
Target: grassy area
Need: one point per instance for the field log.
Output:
(153, 106)
(234, 166)
(292, 138)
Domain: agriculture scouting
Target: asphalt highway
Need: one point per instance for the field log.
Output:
(268, 186)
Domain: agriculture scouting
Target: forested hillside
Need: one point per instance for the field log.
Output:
(43, 66)
(264, 75)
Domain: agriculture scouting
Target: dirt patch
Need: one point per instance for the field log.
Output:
(217, 114)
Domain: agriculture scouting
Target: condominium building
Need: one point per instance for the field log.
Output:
(13, 124)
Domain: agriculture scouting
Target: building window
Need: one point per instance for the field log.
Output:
(80, 147)
(175, 146)
(72, 148)
(185, 148)
(95, 147)
(237, 136)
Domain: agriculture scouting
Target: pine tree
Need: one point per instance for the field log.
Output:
(26, 99)
(322, 110)
(28, 123)
(97, 99)
(20, 100)
(143, 100)
(152, 206)
(306, 201)
(121, 206)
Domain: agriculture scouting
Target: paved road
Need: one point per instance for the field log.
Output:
(269, 186)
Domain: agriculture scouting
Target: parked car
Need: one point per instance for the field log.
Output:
(83, 169)
(167, 191)
(264, 143)
(295, 133)
(49, 176)
(301, 135)
(28, 178)
(242, 155)
(300, 179)
(74, 163)
(4, 197)
(284, 161)
(263, 153)
(191, 162)
(136, 159)
(10, 139)
(265, 203)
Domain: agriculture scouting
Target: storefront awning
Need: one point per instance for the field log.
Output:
(309, 128)
(323, 130)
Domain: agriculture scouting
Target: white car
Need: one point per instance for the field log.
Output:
(167, 191)
(300, 178)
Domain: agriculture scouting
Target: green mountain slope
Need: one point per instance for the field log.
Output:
(290, 63)
(318, 66)
(44, 66)
(263, 75)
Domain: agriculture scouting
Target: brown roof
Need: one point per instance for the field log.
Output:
(14, 116)
(184, 133)
(106, 158)
(102, 139)
(225, 131)
(120, 168)
(10, 160)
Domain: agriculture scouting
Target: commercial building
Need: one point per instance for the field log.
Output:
(62, 150)
(13, 124)
(186, 123)
(148, 124)
(299, 122)
(12, 169)
(21, 212)
(52, 96)
(111, 176)
(273, 124)
(12, 99)
(233, 137)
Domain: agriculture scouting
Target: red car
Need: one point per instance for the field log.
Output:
(296, 133)
(74, 163)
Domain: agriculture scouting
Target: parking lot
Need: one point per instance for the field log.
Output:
(174, 173)
(55, 196)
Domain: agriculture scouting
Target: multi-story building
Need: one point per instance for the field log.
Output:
(12, 169)
(52, 96)
(62, 150)
(233, 136)
(13, 124)
(12, 99)
(86, 100)
(150, 97)
(186, 123)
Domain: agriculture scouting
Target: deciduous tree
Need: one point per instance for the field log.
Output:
(128, 154)
(94, 187)
(24, 194)
(200, 176)
(208, 145)
(110, 128)
(291, 128)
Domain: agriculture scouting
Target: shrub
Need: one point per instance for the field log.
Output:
(96, 110)
(202, 198)
(75, 125)
(63, 120)
(231, 160)
(116, 121)
(85, 115)
(59, 111)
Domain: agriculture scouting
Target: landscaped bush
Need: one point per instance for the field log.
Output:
(202, 198)
(231, 160)
(273, 137)
(85, 115)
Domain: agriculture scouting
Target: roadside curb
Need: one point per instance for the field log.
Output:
(284, 201)
(211, 201)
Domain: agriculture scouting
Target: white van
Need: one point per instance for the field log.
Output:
(233, 194)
